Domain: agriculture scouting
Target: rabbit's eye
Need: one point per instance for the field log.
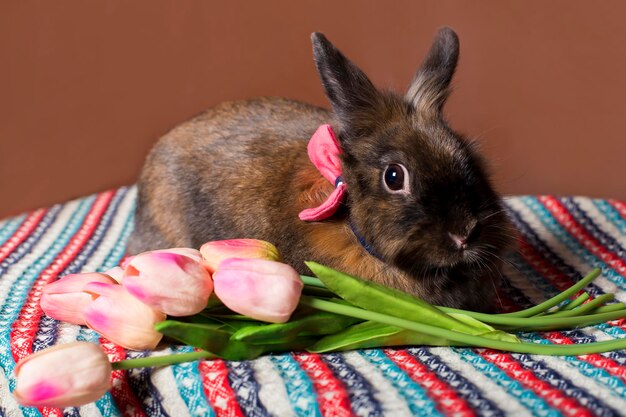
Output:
(396, 179)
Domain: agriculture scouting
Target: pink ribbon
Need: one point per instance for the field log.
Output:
(324, 151)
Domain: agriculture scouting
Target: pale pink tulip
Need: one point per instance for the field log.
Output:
(262, 289)
(175, 284)
(117, 273)
(215, 252)
(65, 300)
(66, 375)
(121, 318)
(191, 253)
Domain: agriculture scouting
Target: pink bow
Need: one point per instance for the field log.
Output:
(323, 150)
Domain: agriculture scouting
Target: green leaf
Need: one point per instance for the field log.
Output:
(316, 323)
(370, 334)
(376, 297)
(216, 340)
(488, 331)
(208, 337)
(200, 319)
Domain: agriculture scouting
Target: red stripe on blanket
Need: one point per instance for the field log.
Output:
(557, 399)
(594, 359)
(25, 327)
(332, 396)
(620, 206)
(123, 396)
(25, 229)
(566, 220)
(543, 267)
(217, 389)
(446, 399)
(50, 412)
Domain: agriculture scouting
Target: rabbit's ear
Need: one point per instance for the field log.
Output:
(430, 86)
(351, 94)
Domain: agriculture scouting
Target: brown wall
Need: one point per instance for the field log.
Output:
(87, 86)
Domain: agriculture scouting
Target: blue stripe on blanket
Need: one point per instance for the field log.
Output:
(611, 214)
(536, 405)
(360, 391)
(571, 243)
(144, 390)
(48, 328)
(241, 379)
(464, 388)
(9, 227)
(607, 241)
(415, 396)
(189, 384)
(298, 385)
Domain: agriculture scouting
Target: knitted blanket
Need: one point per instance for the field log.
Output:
(561, 239)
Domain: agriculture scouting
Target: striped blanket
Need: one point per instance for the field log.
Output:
(561, 238)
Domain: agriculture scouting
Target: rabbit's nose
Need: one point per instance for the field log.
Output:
(461, 241)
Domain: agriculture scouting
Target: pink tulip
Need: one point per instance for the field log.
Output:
(66, 375)
(121, 318)
(175, 284)
(117, 273)
(215, 252)
(65, 300)
(262, 289)
(191, 253)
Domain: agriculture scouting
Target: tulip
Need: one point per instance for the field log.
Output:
(117, 273)
(191, 253)
(122, 318)
(215, 252)
(65, 300)
(65, 375)
(262, 289)
(175, 284)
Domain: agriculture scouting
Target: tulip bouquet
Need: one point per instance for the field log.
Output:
(235, 300)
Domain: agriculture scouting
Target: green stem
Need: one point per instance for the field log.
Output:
(557, 299)
(585, 308)
(529, 323)
(610, 307)
(576, 302)
(318, 292)
(465, 339)
(161, 360)
(312, 281)
(529, 312)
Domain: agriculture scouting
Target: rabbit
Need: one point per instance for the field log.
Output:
(420, 215)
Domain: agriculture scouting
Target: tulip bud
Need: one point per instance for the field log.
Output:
(66, 375)
(191, 253)
(262, 289)
(117, 273)
(215, 252)
(121, 318)
(65, 300)
(175, 284)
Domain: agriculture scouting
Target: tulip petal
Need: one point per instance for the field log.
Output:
(66, 307)
(75, 282)
(189, 252)
(175, 284)
(117, 273)
(122, 318)
(62, 376)
(262, 289)
(65, 300)
(215, 252)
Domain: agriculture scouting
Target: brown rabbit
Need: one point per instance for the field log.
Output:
(421, 215)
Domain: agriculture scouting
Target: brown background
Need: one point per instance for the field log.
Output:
(86, 87)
